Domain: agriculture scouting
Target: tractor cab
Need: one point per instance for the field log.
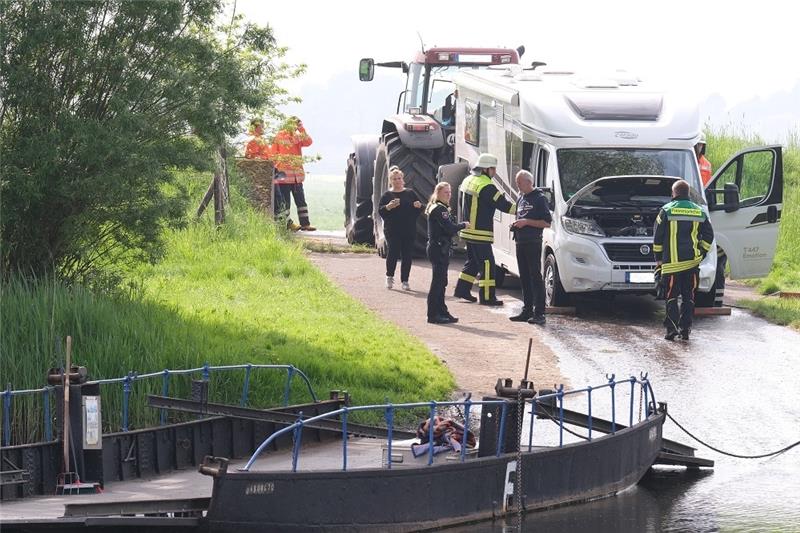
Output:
(429, 85)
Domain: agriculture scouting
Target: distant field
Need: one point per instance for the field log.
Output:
(325, 197)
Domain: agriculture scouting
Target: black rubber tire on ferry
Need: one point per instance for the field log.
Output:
(554, 293)
(357, 204)
(419, 168)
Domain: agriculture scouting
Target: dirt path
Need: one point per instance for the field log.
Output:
(482, 347)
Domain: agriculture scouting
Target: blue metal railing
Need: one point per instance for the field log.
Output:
(467, 403)
(132, 377)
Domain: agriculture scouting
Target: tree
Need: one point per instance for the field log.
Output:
(100, 101)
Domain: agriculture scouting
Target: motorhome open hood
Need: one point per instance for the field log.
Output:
(610, 191)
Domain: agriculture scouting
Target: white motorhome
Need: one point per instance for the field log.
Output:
(608, 149)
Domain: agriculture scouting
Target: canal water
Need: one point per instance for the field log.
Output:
(734, 384)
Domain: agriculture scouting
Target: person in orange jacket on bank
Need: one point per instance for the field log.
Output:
(287, 155)
(705, 166)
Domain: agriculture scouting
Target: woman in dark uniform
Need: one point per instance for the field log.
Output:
(441, 229)
(399, 207)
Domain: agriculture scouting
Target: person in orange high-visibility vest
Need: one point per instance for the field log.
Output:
(258, 146)
(287, 154)
(705, 167)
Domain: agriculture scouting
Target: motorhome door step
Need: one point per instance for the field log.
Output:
(712, 311)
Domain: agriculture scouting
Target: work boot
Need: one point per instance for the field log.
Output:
(451, 318)
(538, 320)
(670, 336)
(389, 282)
(685, 334)
(439, 320)
(308, 227)
(522, 317)
(291, 225)
(492, 303)
(466, 296)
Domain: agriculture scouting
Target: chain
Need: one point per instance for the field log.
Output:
(641, 390)
(518, 480)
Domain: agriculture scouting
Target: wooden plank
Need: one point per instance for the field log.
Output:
(712, 311)
(560, 310)
(674, 459)
(789, 294)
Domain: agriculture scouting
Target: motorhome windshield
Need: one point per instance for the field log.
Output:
(578, 167)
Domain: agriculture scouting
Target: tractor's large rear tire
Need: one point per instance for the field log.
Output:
(357, 203)
(419, 169)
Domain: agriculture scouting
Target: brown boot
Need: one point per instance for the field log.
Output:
(291, 225)
(308, 227)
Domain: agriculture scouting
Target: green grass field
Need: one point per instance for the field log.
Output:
(325, 197)
(240, 293)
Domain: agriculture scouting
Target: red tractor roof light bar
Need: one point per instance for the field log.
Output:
(468, 56)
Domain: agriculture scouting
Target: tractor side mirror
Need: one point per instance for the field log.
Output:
(366, 69)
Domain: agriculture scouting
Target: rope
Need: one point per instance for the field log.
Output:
(763, 455)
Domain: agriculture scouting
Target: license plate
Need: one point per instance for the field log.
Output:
(640, 277)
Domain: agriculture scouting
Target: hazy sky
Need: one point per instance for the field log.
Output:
(743, 53)
(736, 49)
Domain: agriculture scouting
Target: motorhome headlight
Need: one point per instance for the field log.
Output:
(582, 226)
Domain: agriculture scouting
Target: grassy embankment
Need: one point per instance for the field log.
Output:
(785, 274)
(235, 294)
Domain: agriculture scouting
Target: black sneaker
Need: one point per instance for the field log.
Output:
(438, 320)
(685, 334)
(670, 336)
(493, 303)
(539, 320)
(451, 319)
(522, 317)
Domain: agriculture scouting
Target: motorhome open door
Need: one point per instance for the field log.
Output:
(745, 198)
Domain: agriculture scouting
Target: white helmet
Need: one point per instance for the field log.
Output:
(702, 139)
(486, 160)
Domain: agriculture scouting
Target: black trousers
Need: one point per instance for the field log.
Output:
(479, 263)
(529, 260)
(683, 284)
(284, 201)
(401, 246)
(440, 260)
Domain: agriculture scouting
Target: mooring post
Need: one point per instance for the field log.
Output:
(126, 392)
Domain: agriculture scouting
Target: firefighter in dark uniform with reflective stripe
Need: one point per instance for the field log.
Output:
(682, 237)
(441, 229)
(480, 198)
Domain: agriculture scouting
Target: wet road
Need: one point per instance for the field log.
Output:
(734, 385)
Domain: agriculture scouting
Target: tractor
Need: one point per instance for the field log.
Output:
(418, 138)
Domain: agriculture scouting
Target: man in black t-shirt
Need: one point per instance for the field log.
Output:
(533, 215)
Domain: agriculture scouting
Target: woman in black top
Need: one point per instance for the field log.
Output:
(441, 229)
(399, 207)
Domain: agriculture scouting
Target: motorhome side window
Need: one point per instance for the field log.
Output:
(513, 157)
(579, 167)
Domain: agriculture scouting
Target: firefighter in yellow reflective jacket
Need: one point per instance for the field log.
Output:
(681, 239)
(480, 198)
